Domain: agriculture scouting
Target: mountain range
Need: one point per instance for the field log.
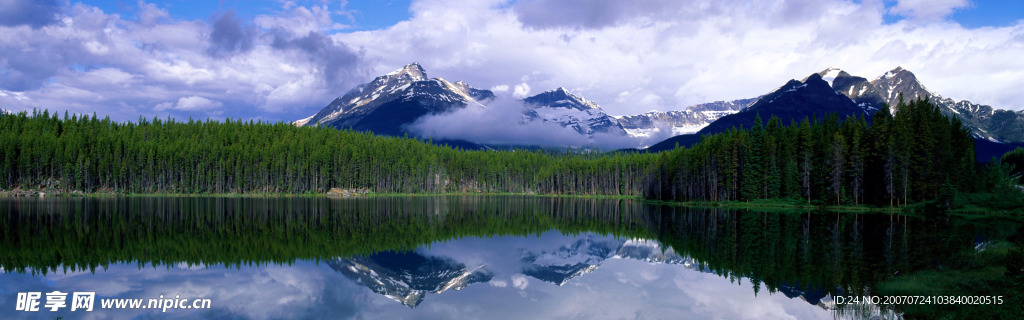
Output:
(408, 277)
(586, 254)
(394, 100)
(834, 91)
(391, 103)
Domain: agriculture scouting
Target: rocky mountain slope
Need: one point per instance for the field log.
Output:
(392, 101)
(689, 120)
(568, 110)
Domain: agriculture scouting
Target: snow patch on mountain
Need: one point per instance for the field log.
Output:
(830, 75)
(298, 123)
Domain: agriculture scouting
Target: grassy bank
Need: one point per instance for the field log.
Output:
(982, 272)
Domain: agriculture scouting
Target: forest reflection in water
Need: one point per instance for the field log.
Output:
(391, 245)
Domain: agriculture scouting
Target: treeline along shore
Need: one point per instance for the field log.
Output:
(916, 155)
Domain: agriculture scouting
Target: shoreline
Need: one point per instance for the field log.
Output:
(974, 210)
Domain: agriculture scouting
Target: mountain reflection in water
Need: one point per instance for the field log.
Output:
(465, 256)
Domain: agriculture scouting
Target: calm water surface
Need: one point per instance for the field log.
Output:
(493, 257)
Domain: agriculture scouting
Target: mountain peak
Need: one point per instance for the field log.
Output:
(900, 81)
(582, 102)
(393, 100)
(830, 74)
(897, 72)
(819, 82)
(413, 70)
(813, 77)
(568, 110)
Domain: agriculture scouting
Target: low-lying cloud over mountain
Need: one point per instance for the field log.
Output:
(502, 123)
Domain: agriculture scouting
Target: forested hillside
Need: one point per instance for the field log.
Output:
(919, 154)
(158, 156)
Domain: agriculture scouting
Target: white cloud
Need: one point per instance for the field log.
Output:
(521, 91)
(499, 123)
(520, 282)
(191, 103)
(502, 123)
(501, 88)
(499, 283)
(240, 292)
(628, 58)
(91, 61)
(696, 52)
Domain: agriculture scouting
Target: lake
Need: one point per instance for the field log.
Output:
(487, 257)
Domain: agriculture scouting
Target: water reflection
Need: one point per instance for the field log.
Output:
(406, 277)
(465, 257)
(619, 287)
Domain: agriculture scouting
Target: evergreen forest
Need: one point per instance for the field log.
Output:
(916, 155)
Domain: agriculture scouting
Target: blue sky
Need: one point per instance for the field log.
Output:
(989, 13)
(284, 60)
(360, 15)
(370, 15)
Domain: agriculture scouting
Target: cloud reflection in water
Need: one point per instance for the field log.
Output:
(625, 279)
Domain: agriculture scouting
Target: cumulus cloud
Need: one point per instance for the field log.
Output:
(676, 55)
(230, 35)
(520, 281)
(521, 90)
(501, 88)
(589, 13)
(335, 61)
(146, 62)
(666, 55)
(499, 283)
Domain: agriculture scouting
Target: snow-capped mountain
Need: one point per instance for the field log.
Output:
(793, 101)
(689, 120)
(389, 102)
(856, 88)
(568, 110)
(408, 277)
(813, 97)
(567, 262)
(835, 91)
(586, 255)
(900, 81)
(984, 121)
